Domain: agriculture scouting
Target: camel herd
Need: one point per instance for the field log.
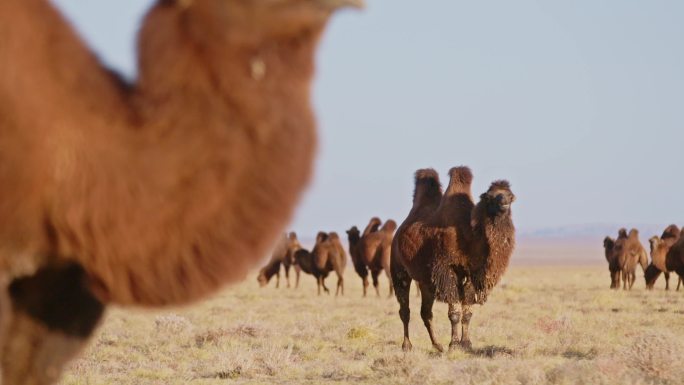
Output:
(454, 249)
(624, 253)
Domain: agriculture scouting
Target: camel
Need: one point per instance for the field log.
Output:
(613, 266)
(148, 193)
(457, 251)
(328, 255)
(283, 254)
(372, 252)
(611, 257)
(674, 260)
(630, 253)
(659, 248)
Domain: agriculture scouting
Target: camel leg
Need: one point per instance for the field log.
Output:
(365, 284)
(428, 299)
(48, 318)
(624, 280)
(632, 278)
(278, 279)
(298, 271)
(340, 284)
(667, 280)
(391, 284)
(287, 274)
(318, 285)
(465, 320)
(402, 283)
(455, 318)
(376, 284)
(325, 288)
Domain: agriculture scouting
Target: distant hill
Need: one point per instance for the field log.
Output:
(591, 231)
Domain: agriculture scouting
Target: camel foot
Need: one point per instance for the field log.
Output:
(406, 346)
(438, 347)
(466, 345)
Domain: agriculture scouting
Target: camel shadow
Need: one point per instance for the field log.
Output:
(491, 351)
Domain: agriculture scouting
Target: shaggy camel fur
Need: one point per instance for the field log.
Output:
(612, 258)
(456, 250)
(283, 254)
(372, 252)
(674, 260)
(630, 253)
(659, 248)
(151, 193)
(328, 255)
(613, 265)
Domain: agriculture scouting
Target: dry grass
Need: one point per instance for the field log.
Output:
(550, 325)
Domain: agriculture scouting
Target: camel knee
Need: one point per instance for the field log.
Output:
(455, 316)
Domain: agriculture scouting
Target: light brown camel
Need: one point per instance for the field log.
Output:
(456, 250)
(659, 248)
(150, 193)
(630, 253)
(372, 252)
(283, 255)
(328, 255)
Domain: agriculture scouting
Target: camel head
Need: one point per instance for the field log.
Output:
(654, 241)
(608, 243)
(261, 278)
(266, 18)
(498, 198)
(650, 275)
(353, 235)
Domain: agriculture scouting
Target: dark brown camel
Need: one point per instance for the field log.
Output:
(372, 252)
(456, 250)
(674, 260)
(630, 253)
(151, 193)
(613, 265)
(612, 257)
(328, 255)
(659, 248)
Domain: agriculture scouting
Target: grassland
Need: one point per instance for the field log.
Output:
(555, 324)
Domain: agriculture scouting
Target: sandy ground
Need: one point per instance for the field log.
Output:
(551, 320)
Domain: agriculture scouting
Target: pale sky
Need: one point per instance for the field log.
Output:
(580, 104)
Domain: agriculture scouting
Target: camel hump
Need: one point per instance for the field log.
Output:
(461, 179)
(672, 231)
(622, 233)
(633, 233)
(373, 226)
(389, 226)
(428, 189)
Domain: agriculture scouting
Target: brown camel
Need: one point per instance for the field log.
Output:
(283, 254)
(328, 255)
(612, 257)
(613, 265)
(630, 253)
(372, 252)
(674, 260)
(456, 250)
(659, 248)
(150, 193)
